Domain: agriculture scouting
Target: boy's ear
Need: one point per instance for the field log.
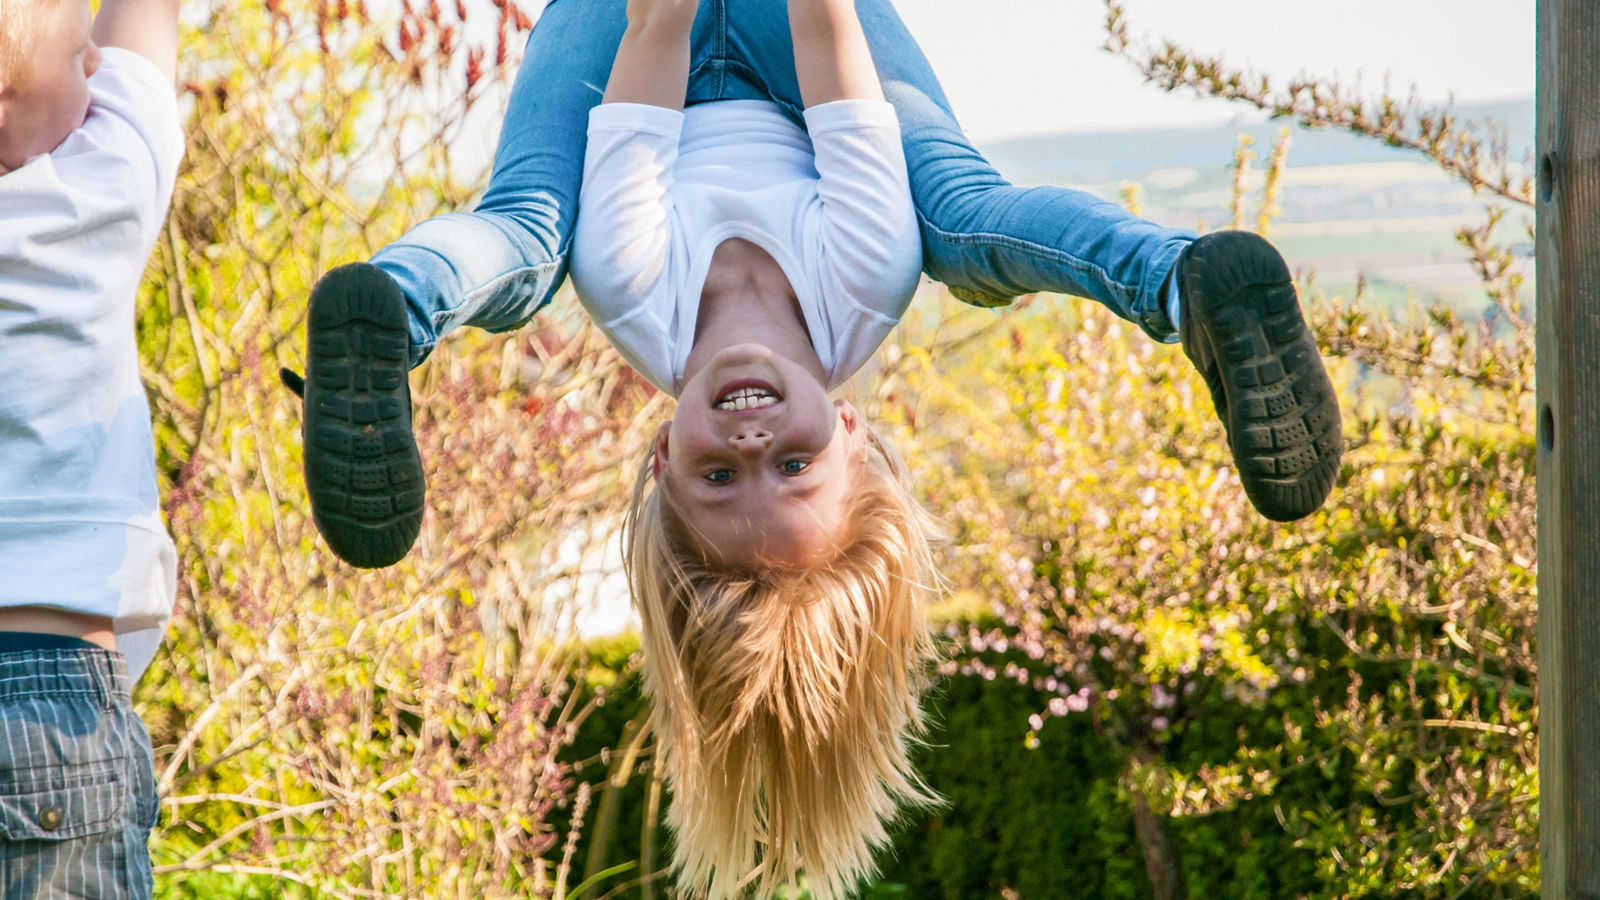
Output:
(660, 450)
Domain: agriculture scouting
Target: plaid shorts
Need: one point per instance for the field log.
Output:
(77, 781)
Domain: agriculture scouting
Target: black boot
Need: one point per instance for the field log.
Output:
(1241, 326)
(363, 472)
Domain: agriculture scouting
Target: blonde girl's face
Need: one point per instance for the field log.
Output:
(49, 97)
(760, 460)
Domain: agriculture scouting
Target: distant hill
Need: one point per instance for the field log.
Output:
(1075, 158)
(1349, 208)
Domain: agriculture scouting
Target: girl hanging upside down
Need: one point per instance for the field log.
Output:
(760, 185)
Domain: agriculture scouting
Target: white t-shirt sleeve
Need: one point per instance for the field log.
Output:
(621, 261)
(622, 239)
(131, 140)
(866, 226)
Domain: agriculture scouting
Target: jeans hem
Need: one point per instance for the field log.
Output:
(1078, 271)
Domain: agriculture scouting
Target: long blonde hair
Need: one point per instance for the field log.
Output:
(785, 703)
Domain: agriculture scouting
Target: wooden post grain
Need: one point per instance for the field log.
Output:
(1568, 416)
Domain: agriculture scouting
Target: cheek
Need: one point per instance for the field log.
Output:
(72, 103)
(686, 435)
(824, 427)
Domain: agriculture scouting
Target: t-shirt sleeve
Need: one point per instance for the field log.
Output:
(131, 140)
(621, 260)
(866, 225)
(621, 244)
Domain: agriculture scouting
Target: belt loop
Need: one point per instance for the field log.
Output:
(98, 664)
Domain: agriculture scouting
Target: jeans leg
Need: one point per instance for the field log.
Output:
(987, 239)
(498, 265)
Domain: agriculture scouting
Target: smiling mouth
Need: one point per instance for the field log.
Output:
(747, 397)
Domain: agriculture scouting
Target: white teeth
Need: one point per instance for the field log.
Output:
(747, 398)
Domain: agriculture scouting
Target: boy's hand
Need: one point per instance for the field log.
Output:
(147, 27)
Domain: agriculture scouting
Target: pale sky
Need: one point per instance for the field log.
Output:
(1014, 67)
(1019, 67)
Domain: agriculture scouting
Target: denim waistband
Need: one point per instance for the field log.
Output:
(19, 641)
(95, 671)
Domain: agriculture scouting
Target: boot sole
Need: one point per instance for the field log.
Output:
(1282, 414)
(363, 472)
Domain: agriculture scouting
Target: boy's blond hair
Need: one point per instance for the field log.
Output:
(22, 23)
(785, 703)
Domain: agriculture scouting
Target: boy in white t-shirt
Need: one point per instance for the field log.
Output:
(89, 151)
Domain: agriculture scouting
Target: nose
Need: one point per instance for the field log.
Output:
(750, 439)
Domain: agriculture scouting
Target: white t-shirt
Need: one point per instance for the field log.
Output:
(80, 522)
(831, 203)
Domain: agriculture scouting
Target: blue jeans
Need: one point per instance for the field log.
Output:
(986, 239)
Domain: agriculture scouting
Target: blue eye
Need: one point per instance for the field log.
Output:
(720, 476)
(793, 466)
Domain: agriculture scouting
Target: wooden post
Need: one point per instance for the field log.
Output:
(1568, 438)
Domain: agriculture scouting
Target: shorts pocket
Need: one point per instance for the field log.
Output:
(42, 805)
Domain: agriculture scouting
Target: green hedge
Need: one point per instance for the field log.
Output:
(1049, 821)
(1046, 822)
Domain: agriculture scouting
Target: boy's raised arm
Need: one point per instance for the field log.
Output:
(652, 64)
(147, 27)
(831, 56)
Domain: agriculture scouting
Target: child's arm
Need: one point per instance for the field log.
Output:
(831, 57)
(147, 27)
(652, 64)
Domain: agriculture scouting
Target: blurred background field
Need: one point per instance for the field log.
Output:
(1149, 691)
